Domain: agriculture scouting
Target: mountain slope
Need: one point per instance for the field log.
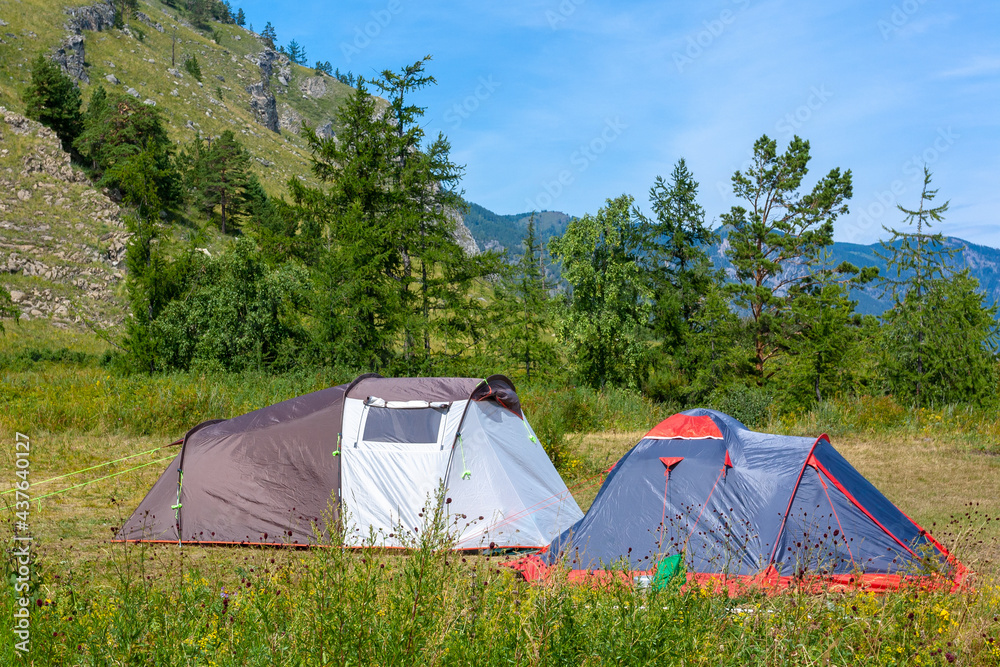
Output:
(244, 86)
(983, 263)
(495, 231)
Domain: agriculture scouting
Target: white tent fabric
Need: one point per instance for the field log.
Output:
(394, 458)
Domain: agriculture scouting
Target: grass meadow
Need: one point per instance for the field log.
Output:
(98, 603)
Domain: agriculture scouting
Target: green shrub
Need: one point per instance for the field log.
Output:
(750, 405)
(192, 66)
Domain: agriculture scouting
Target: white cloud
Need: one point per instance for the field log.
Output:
(978, 66)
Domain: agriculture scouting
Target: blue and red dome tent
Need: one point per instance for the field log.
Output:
(744, 509)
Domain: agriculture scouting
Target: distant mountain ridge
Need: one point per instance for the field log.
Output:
(495, 231)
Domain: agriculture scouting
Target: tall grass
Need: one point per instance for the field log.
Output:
(433, 606)
(56, 398)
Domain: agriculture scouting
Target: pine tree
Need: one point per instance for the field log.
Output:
(779, 235)
(201, 12)
(680, 269)
(192, 66)
(127, 143)
(218, 174)
(827, 331)
(324, 67)
(124, 10)
(346, 79)
(53, 100)
(241, 17)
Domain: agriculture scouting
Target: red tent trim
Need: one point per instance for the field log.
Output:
(532, 568)
(791, 498)
(685, 427)
(814, 462)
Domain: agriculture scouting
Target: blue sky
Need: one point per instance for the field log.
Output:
(561, 104)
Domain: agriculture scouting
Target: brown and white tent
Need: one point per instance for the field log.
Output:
(374, 452)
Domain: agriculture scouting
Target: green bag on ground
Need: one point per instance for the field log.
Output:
(669, 569)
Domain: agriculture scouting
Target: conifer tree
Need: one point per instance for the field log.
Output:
(241, 17)
(777, 236)
(219, 174)
(357, 299)
(127, 143)
(679, 267)
(940, 338)
(390, 268)
(525, 307)
(826, 331)
(54, 101)
(296, 53)
(268, 35)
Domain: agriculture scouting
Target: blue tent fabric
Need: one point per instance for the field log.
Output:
(787, 504)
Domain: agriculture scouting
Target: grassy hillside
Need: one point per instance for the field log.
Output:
(61, 239)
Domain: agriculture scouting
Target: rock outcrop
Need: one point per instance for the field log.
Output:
(97, 17)
(290, 119)
(148, 21)
(62, 242)
(314, 86)
(262, 102)
(325, 131)
(462, 235)
(70, 55)
(264, 106)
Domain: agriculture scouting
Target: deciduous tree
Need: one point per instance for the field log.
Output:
(608, 307)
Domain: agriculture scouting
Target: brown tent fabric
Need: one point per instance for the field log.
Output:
(260, 477)
(272, 476)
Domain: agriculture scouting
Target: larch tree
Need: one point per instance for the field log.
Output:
(54, 101)
(940, 339)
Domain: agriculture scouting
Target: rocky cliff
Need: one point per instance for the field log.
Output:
(62, 241)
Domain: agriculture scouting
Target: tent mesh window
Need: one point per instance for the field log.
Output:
(407, 425)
